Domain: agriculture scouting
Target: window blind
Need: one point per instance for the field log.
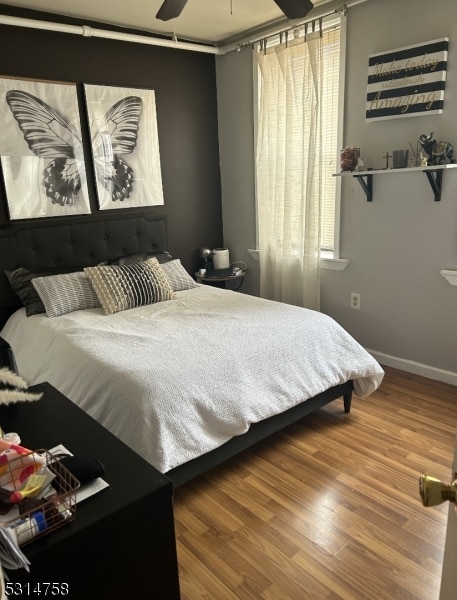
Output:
(330, 151)
(330, 112)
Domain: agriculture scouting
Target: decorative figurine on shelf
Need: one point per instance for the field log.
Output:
(349, 157)
(387, 156)
(415, 159)
(360, 165)
(439, 153)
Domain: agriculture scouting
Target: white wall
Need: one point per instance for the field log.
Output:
(397, 244)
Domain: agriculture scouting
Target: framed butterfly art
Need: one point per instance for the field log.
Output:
(41, 149)
(125, 146)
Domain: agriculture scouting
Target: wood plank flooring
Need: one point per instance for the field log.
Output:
(329, 508)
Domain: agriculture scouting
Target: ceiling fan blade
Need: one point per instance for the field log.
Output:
(170, 9)
(295, 9)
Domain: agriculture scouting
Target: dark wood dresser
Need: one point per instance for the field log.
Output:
(122, 542)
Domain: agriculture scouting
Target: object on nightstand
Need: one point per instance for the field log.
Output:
(206, 255)
(221, 259)
(211, 273)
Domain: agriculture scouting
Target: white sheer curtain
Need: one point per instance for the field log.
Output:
(288, 170)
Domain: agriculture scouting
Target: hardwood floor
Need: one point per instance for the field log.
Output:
(329, 508)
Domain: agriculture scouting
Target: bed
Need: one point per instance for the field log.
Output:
(187, 381)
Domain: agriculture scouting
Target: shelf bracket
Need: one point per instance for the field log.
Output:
(435, 179)
(367, 185)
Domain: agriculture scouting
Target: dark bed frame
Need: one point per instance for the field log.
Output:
(86, 241)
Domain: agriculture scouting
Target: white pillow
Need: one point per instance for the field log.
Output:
(62, 294)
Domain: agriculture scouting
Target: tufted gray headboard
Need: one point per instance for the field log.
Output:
(77, 242)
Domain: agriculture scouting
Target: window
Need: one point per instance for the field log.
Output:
(331, 135)
(331, 142)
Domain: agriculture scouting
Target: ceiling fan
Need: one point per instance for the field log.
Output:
(293, 9)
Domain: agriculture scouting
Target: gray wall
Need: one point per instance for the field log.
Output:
(397, 244)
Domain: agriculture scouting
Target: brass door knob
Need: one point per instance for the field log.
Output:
(433, 491)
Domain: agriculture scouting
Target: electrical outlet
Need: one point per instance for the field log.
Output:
(355, 300)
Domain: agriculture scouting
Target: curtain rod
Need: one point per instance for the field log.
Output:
(280, 29)
(337, 11)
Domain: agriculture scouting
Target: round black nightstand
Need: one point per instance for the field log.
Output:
(213, 279)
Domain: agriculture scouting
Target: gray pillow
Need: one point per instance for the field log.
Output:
(178, 276)
(21, 282)
(62, 294)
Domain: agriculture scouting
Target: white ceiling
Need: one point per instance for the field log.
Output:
(207, 21)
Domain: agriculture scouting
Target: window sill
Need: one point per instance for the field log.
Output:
(326, 261)
(450, 276)
(333, 264)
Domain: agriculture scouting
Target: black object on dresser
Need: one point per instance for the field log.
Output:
(122, 542)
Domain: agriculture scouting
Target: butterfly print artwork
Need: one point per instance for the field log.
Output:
(116, 134)
(49, 135)
(125, 146)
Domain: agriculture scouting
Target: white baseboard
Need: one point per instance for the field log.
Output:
(410, 366)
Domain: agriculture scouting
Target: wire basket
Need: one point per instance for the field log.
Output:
(36, 515)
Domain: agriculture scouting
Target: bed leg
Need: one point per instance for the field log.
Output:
(347, 399)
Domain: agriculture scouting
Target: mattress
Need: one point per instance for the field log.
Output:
(177, 379)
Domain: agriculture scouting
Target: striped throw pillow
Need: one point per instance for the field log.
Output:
(120, 287)
(62, 294)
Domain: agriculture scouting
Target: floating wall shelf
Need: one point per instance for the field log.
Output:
(365, 178)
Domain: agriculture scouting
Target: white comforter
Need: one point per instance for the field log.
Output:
(177, 379)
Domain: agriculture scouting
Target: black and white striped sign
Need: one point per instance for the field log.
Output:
(407, 82)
